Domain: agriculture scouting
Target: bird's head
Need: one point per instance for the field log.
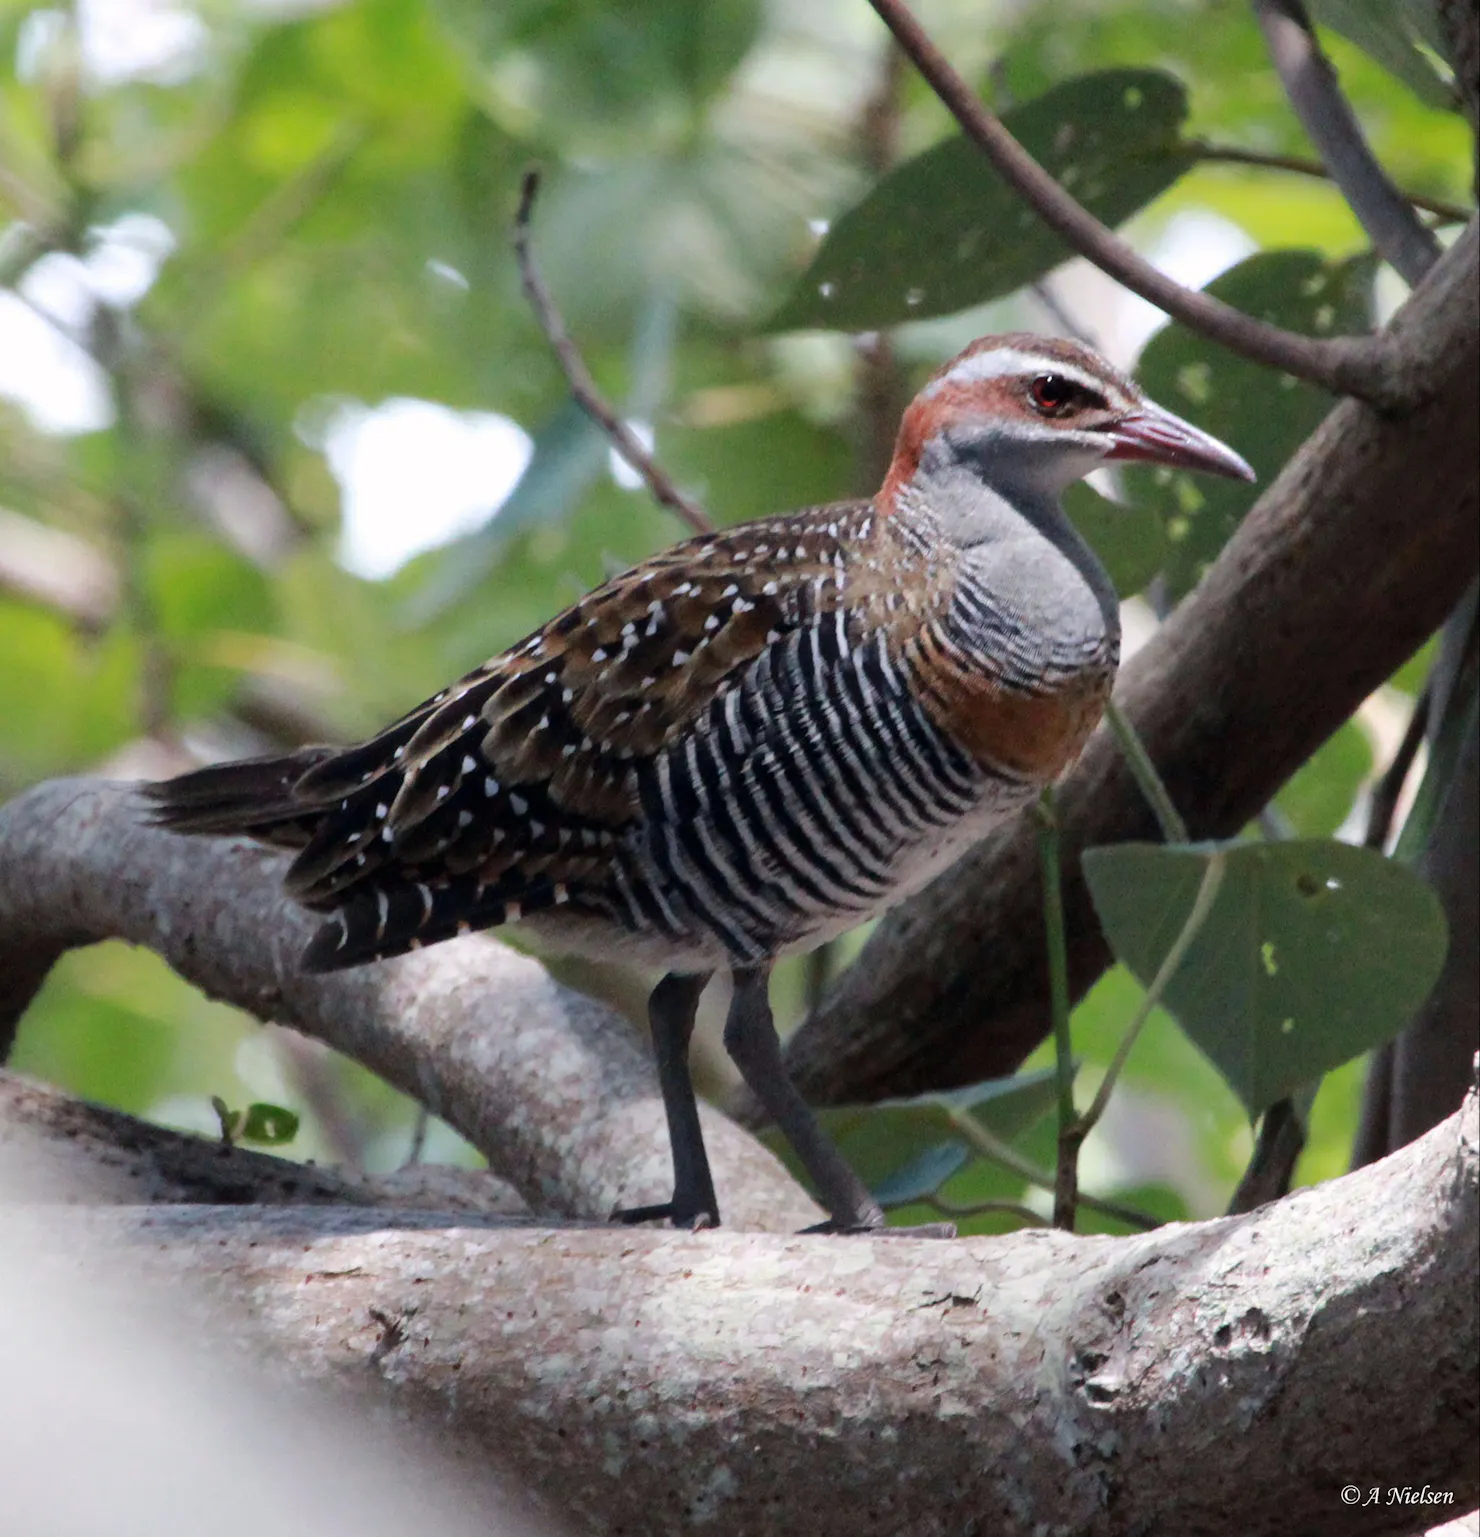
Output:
(1029, 415)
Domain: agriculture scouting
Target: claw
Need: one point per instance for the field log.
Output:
(924, 1230)
(695, 1222)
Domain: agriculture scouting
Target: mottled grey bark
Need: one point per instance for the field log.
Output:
(1222, 1376)
(84, 1153)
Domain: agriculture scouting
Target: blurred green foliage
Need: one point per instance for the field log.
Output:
(328, 189)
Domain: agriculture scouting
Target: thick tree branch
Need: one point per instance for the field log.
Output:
(555, 1089)
(1345, 365)
(1356, 553)
(1310, 83)
(88, 1153)
(642, 1381)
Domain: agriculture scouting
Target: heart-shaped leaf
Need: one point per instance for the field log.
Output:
(1312, 952)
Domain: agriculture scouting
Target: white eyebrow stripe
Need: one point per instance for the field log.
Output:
(1005, 361)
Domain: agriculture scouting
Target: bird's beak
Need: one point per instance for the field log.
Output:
(1152, 433)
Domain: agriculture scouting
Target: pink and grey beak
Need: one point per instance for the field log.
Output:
(1155, 434)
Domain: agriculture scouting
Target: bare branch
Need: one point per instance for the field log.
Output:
(1345, 365)
(554, 1088)
(582, 385)
(659, 1382)
(79, 1152)
(1278, 1148)
(1310, 83)
(1460, 22)
(1389, 789)
(1231, 154)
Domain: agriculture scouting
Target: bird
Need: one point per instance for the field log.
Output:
(750, 742)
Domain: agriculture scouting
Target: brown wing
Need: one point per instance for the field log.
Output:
(507, 792)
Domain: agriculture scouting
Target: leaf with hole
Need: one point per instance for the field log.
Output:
(943, 231)
(1265, 416)
(1312, 952)
(271, 1125)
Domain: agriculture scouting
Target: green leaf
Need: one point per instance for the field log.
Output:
(944, 231)
(583, 71)
(923, 1176)
(1449, 737)
(896, 1142)
(1265, 417)
(197, 588)
(1130, 541)
(1319, 795)
(65, 698)
(1389, 35)
(1312, 953)
(271, 1125)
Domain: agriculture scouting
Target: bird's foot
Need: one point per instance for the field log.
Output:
(669, 1211)
(877, 1230)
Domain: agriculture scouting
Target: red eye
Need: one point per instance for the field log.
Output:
(1052, 393)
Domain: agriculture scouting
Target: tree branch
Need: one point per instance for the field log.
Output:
(654, 1382)
(555, 1089)
(82, 1152)
(1310, 83)
(1356, 553)
(578, 376)
(1346, 365)
(1232, 154)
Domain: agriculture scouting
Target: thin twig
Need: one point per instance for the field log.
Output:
(310, 1067)
(960, 1210)
(1389, 789)
(1207, 894)
(418, 1137)
(1048, 296)
(1399, 235)
(881, 392)
(1347, 365)
(1231, 154)
(1277, 1149)
(990, 1146)
(1143, 770)
(1066, 1176)
(817, 970)
(582, 385)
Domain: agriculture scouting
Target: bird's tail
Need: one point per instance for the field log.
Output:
(255, 798)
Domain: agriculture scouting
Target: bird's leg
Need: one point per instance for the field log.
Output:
(671, 1011)
(750, 1039)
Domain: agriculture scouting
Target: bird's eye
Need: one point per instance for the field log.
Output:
(1053, 394)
